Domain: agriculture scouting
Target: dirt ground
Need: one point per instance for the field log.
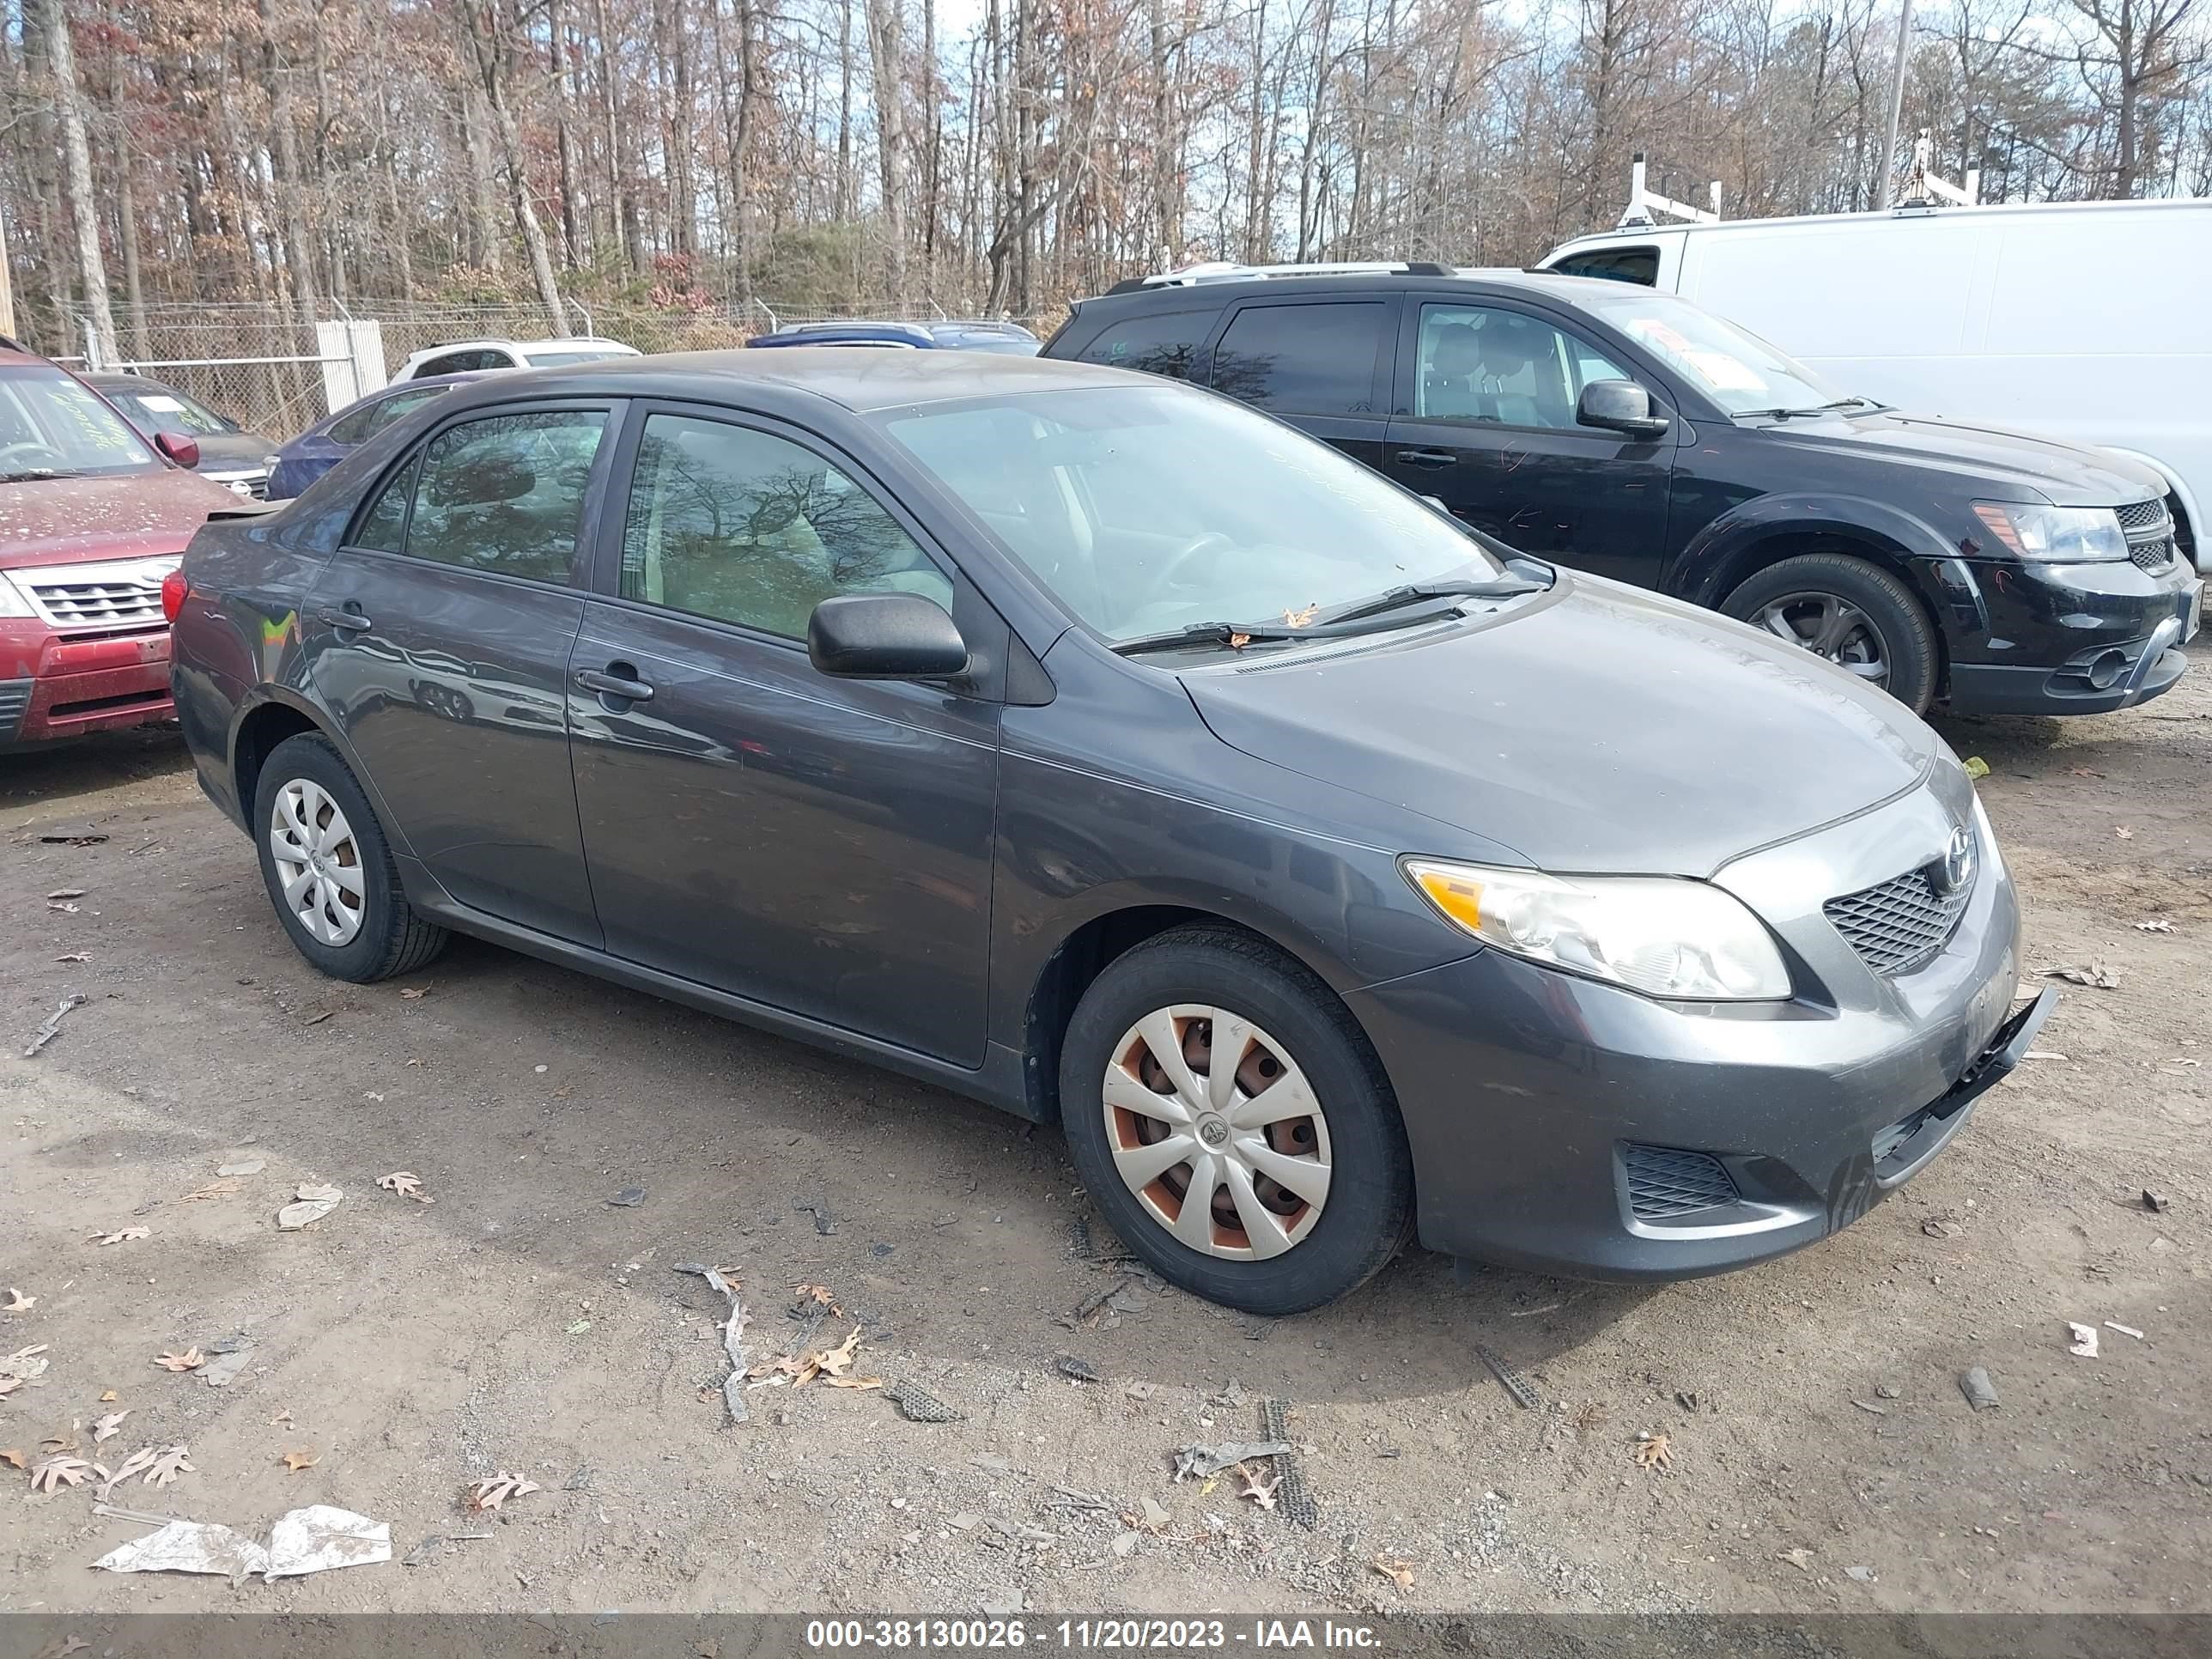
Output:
(1822, 1454)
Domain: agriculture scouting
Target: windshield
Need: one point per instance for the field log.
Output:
(1147, 509)
(1737, 370)
(568, 359)
(157, 408)
(54, 426)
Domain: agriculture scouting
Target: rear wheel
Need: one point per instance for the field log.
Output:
(1230, 1121)
(329, 869)
(1851, 611)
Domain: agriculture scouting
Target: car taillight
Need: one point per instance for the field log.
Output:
(175, 589)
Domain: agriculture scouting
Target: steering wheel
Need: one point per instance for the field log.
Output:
(9, 452)
(1205, 542)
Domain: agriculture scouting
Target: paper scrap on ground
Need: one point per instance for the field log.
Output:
(189, 1546)
(321, 1536)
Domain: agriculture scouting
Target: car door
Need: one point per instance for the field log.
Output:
(1323, 363)
(1484, 423)
(439, 637)
(819, 845)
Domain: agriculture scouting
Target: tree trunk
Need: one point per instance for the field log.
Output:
(76, 183)
(887, 70)
(489, 42)
(298, 249)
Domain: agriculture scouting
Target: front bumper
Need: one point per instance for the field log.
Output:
(1568, 1127)
(2081, 639)
(55, 686)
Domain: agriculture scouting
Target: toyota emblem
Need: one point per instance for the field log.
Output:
(1954, 872)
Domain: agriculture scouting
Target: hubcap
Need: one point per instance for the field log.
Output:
(318, 863)
(1830, 627)
(1215, 1129)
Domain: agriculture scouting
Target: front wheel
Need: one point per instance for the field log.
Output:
(1230, 1120)
(329, 869)
(1851, 611)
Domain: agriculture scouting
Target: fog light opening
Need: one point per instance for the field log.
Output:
(2105, 668)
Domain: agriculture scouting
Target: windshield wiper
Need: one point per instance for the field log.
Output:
(1385, 610)
(1817, 409)
(39, 472)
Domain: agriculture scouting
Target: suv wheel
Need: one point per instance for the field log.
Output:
(1854, 613)
(329, 869)
(1231, 1122)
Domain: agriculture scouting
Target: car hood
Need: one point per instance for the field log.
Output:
(234, 451)
(138, 515)
(2011, 465)
(1599, 728)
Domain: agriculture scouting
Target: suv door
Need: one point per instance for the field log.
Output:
(438, 637)
(1484, 423)
(822, 846)
(1323, 363)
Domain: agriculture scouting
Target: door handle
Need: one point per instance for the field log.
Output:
(1430, 458)
(619, 680)
(350, 620)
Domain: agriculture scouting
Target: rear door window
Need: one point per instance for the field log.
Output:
(1159, 342)
(1302, 359)
(1614, 264)
(506, 494)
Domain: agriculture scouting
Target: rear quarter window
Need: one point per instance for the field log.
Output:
(1615, 264)
(1302, 359)
(1164, 342)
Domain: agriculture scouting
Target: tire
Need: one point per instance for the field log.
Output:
(1893, 621)
(386, 936)
(1297, 1032)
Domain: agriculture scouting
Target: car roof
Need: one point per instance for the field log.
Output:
(572, 342)
(861, 381)
(1209, 295)
(1903, 214)
(123, 379)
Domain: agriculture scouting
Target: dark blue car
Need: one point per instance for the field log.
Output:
(1010, 338)
(332, 438)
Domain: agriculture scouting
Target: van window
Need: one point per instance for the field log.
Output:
(1158, 343)
(1615, 264)
(1482, 363)
(1302, 360)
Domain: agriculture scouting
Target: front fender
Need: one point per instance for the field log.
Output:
(1719, 556)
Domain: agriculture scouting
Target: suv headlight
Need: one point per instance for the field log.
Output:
(2066, 535)
(12, 600)
(1656, 934)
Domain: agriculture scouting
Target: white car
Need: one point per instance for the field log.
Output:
(2085, 320)
(466, 356)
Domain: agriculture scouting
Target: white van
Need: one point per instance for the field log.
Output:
(2086, 320)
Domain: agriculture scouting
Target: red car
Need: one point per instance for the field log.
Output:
(92, 518)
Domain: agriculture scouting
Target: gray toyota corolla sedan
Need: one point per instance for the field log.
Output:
(1107, 750)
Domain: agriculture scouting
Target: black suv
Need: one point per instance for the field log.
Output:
(1633, 434)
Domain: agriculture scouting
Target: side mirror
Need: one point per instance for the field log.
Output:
(1618, 406)
(179, 448)
(884, 636)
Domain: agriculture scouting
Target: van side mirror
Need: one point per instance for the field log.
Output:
(1618, 406)
(884, 636)
(179, 448)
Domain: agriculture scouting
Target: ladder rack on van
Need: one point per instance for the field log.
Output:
(1924, 189)
(1642, 204)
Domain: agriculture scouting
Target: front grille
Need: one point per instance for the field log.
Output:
(125, 603)
(2142, 515)
(1666, 1182)
(14, 698)
(1898, 924)
(2152, 556)
(254, 485)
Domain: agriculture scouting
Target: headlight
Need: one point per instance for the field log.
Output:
(12, 600)
(1664, 936)
(2069, 535)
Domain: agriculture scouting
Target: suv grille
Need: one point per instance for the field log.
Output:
(1664, 1182)
(1898, 924)
(84, 596)
(2149, 532)
(2142, 515)
(2152, 556)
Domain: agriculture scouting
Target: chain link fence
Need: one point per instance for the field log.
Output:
(262, 366)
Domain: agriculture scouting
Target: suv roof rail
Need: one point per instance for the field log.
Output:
(1225, 271)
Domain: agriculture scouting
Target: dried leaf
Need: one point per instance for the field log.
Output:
(61, 1442)
(109, 1396)
(25, 1363)
(2123, 832)
(12, 1455)
(296, 1461)
(138, 1461)
(490, 1494)
(66, 893)
(1300, 618)
(854, 1382)
(75, 956)
(1654, 1451)
(1800, 1559)
(404, 1182)
(2155, 925)
(1400, 1573)
(122, 1235)
(213, 1189)
(168, 1465)
(2094, 975)
(59, 1471)
(104, 1427)
(1262, 1493)
(17, 1301)
(414, 993)
(1238, 641)
(820, 1293)
(190, 1361)
(834, 1362)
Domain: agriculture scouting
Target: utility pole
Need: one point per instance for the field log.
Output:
(7, 285)
(1888, 190)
